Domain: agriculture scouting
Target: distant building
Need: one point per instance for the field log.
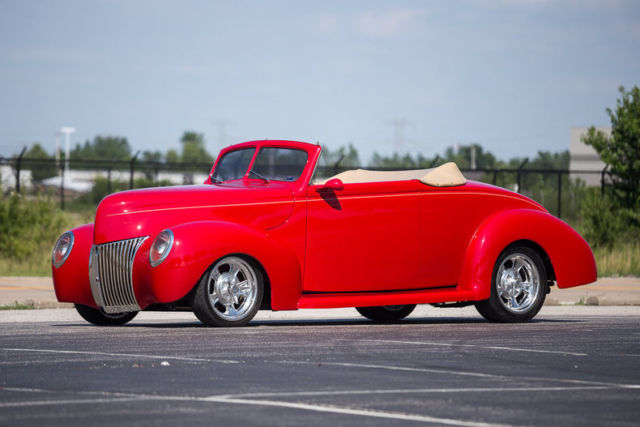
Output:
(584, 158)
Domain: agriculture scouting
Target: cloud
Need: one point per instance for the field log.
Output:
(391, 23)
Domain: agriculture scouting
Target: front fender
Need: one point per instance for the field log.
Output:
(569, 253)
(199, 244)
(71, 280)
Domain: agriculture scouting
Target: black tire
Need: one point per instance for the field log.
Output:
(100, 318)
(386, 313)
(518, 287)
(223, 299)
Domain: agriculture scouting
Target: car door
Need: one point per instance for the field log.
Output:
(363, 237)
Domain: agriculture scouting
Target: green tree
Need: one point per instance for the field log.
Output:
(343, 157)
(193, 148)
(40, 162)
(103, 148)
(621, 151)
(462, 157)
(172, 156)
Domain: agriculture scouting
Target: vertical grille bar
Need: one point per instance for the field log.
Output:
(111, 275)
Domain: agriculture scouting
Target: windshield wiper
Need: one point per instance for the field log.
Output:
(259, 175)
(215, 179)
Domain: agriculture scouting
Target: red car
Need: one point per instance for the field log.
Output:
(264, 233)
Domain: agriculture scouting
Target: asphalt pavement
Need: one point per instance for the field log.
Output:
(572, 365)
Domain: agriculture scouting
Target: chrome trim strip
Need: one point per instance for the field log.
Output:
(111, 275)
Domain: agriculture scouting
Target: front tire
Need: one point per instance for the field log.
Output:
(230, 293)
(100, 318)
(518, 287)
(386, 313)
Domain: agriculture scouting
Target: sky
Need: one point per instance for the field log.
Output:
(411, 76)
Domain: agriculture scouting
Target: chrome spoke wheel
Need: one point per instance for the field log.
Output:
(232, 288)
(518, 283)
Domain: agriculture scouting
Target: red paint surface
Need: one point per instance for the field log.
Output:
(352, 245)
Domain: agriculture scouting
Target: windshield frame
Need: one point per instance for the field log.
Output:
(299, 186)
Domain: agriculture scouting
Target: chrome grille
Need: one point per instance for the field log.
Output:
(111, 275)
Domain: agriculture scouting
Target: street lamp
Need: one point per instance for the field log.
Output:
(67, 131)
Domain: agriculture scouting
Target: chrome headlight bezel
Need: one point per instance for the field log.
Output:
(161, 247)
(62, 249)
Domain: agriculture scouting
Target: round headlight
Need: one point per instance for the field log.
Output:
(161, 247)
(62, 249)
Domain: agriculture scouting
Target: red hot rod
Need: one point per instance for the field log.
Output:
(264, 233)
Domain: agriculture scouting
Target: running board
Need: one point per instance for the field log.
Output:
(369, 299)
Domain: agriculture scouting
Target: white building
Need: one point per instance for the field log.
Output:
(583, 157)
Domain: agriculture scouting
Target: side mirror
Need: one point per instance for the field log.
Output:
(333, 184)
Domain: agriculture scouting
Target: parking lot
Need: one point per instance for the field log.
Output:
(574, 365)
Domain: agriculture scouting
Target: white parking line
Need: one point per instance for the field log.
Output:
(420, 391)
(529, 350)
(127, 355)
(241, 399)
(350, 411)
(399, 368)
(461, 373)
(69, 402)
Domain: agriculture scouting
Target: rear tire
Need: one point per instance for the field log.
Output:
(100, 318)
(518, 287)
(386, 313)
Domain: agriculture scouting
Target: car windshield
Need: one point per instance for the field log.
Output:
(279, 164)
(233, 165)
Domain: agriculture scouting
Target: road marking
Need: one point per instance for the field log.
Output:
(399, 368)
(419, 391)
(350, 411)
(69, 402)
(461, 373)
(99, 353)
(238, 399)
(272, 403)
(529, 350)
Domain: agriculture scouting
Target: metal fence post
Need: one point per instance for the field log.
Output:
(62, 188)
(133, 161)
(559, 194)
(520, 171)
(18, 167)
(109, 179)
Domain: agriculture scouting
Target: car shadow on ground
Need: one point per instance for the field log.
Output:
(324, 322)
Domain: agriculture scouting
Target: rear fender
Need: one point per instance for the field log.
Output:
(569, 253)
(71, 280)
(197, 245)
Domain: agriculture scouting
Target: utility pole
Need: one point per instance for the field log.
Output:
(398, 133)
(222, 124)
(473, 157)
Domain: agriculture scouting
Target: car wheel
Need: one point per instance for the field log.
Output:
(229, 294)
(100, 318)
(386, 313)
(518, 287)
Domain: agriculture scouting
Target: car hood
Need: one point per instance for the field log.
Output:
(146, 212)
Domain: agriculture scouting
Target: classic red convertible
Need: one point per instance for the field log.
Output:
(264, 233)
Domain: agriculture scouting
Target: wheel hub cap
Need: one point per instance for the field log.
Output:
(233, 288)
(518, 283)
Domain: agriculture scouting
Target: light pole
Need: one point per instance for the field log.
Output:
(67, 131)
